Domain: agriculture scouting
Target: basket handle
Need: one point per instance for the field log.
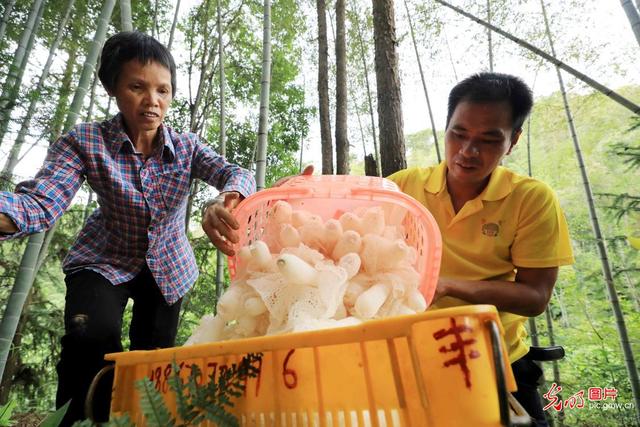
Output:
(88, 402)
(498, 363)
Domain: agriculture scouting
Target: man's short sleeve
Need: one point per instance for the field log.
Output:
(542, 236)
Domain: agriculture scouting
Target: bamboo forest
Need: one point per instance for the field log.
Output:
(353, 88)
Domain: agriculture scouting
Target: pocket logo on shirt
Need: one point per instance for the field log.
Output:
(490, 229)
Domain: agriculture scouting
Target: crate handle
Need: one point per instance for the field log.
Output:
(498, 362)
(88, 402)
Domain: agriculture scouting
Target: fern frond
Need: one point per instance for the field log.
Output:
(183, 406)
(218, 415)
(123, 421)
(153, 405)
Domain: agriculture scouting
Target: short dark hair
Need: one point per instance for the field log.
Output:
(494, 87)
(127, 45)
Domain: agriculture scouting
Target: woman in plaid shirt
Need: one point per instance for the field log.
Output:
(134, 245)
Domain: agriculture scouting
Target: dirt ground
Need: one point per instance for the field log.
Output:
(27, 420)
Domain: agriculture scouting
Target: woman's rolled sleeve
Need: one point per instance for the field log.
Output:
(37, 204)
(216, 171)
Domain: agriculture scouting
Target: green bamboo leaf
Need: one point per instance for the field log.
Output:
(54, 420)
(5, 413)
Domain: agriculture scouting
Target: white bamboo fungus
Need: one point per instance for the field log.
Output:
(373, 221)
(295, 270)
(350, 241)
(260, 255)
(305, 253)
(351, 221)
(300, 218)
(246, 325)
(229, 302)
(354, 289)
(415, 301)
(351, 263)
(308, 274)
(381, 254)
(281, 212)
(254, 306)
(332, 233)
(244, 254)
(209, 330)
(370, 301)
(312, 235)
(289, 236)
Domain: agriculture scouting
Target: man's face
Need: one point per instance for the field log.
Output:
(478, 137)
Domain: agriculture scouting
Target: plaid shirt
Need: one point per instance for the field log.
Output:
(141, 218)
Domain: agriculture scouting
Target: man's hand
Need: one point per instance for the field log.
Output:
(527, 296)
(7, 226)
(219, 223)
(307, 171)
(441, 289)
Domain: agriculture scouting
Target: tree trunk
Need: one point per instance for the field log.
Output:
(602, 250)
(633, 16)
(392, 148)
(8, 8)
(64, 92)
(196, 125)
(88, 69)
(206, 67)
(364, 140)
(92, 98)
(323, 90)
(424, 84)
(265, 81)
(13, 360)
(12, 160)
(342, 139)
(556, 368)
(489, 41)
(18, 296)
(370, 166)
(126, 23)
(635, 108)
(11, 86)
(173, 24)
(374, 133)
(155, 28)
(222, 149)
(631, 287)
(32, 256)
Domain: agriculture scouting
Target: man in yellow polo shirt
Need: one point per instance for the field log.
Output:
(504, 235)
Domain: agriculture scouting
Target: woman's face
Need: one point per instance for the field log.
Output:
(143, 94)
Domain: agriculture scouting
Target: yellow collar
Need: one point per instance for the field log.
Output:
(500, 184)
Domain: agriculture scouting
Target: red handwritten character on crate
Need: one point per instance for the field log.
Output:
(610, 393)
(595, 393)
(552, 397)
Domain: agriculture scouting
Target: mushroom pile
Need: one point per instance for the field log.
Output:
(307, 274)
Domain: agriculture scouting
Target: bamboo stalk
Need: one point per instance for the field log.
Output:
(633, 107)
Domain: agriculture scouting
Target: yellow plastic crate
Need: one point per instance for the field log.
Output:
(440, 368)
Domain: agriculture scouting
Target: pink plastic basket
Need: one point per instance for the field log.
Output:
(330, 196)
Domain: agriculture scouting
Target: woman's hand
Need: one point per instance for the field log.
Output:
(7, 226)
(219, 223)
